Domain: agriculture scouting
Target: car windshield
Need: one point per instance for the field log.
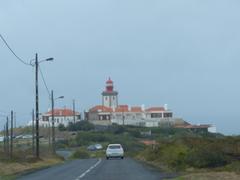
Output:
(115, 147)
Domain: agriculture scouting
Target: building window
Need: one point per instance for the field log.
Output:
(156, 115)
(167, 115)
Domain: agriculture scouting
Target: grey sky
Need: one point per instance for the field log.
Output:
(183, 53)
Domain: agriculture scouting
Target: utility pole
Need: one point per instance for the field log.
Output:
(7, 139)
(33, 132)
(37, 101)
(4, 140)
(11, 136)
(37, 106)
(74, 114)
(53, 124)
(49, 134)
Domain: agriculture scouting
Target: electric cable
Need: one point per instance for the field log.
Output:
(44, 82)
(22, 61)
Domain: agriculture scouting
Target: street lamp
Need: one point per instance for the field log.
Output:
(53, 121)
(36, 64)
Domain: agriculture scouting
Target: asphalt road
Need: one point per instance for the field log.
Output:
(98, 169)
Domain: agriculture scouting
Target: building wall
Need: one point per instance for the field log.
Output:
(144, 118)
(110, 101)
(46, 121)
(156, 115)
(93, 116)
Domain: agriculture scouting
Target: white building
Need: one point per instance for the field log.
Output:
(137, 116)
(61, 116)
(111, 113)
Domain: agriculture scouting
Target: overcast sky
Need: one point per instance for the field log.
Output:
(182, 53)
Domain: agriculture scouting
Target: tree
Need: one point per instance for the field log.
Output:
(80, 126)
(61, 127)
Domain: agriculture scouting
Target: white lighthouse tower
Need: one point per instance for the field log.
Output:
(109, 96)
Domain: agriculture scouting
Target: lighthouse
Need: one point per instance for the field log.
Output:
(109, 96)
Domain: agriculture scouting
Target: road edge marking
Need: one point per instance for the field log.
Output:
(89, 170)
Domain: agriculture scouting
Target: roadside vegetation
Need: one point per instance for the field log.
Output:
(23, 161)
(195, 152)
(188, 153)
(113, 134)
(173, 150)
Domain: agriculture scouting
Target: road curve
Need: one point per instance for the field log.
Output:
(98, 169)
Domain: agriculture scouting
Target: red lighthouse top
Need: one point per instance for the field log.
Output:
(109, 81)
(109, 85)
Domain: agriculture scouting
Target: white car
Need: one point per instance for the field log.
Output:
(1, 138)
(114, 151)
(98, 146)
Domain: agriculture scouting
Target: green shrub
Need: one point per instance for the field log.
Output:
(196, 152)
(206, 158)
(80, 126)
(61, 127)
(81, 154)
(234, 166)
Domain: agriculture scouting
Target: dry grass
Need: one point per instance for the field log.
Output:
(211, 176)
(15, 168)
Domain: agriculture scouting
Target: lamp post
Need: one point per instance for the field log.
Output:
(53, 121)
(36, 64)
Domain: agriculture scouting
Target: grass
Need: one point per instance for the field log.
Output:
(210, 176)
(83, 153)
(10, 170)
(23, 161)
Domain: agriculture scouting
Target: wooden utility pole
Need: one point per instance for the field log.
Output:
(4, 140)
(11, 136)
(33, 132)
(37, 106)
(53, 124)
(7, 139)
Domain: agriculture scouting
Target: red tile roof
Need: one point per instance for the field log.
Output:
(100, 108)
(122, 108)
(155, 109)
(136, 109)
(62, 112)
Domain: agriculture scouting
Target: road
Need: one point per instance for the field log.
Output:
(98, 169)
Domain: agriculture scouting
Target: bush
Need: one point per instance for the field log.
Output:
(80, 126)
(196, 152)
(86, 138)
(206, 158)
(81, 154)
(61, 127)
(116, 129)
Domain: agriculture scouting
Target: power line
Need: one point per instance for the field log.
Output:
(44, 81)
(5, 42)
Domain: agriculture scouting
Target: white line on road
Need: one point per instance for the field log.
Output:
(89, 170)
